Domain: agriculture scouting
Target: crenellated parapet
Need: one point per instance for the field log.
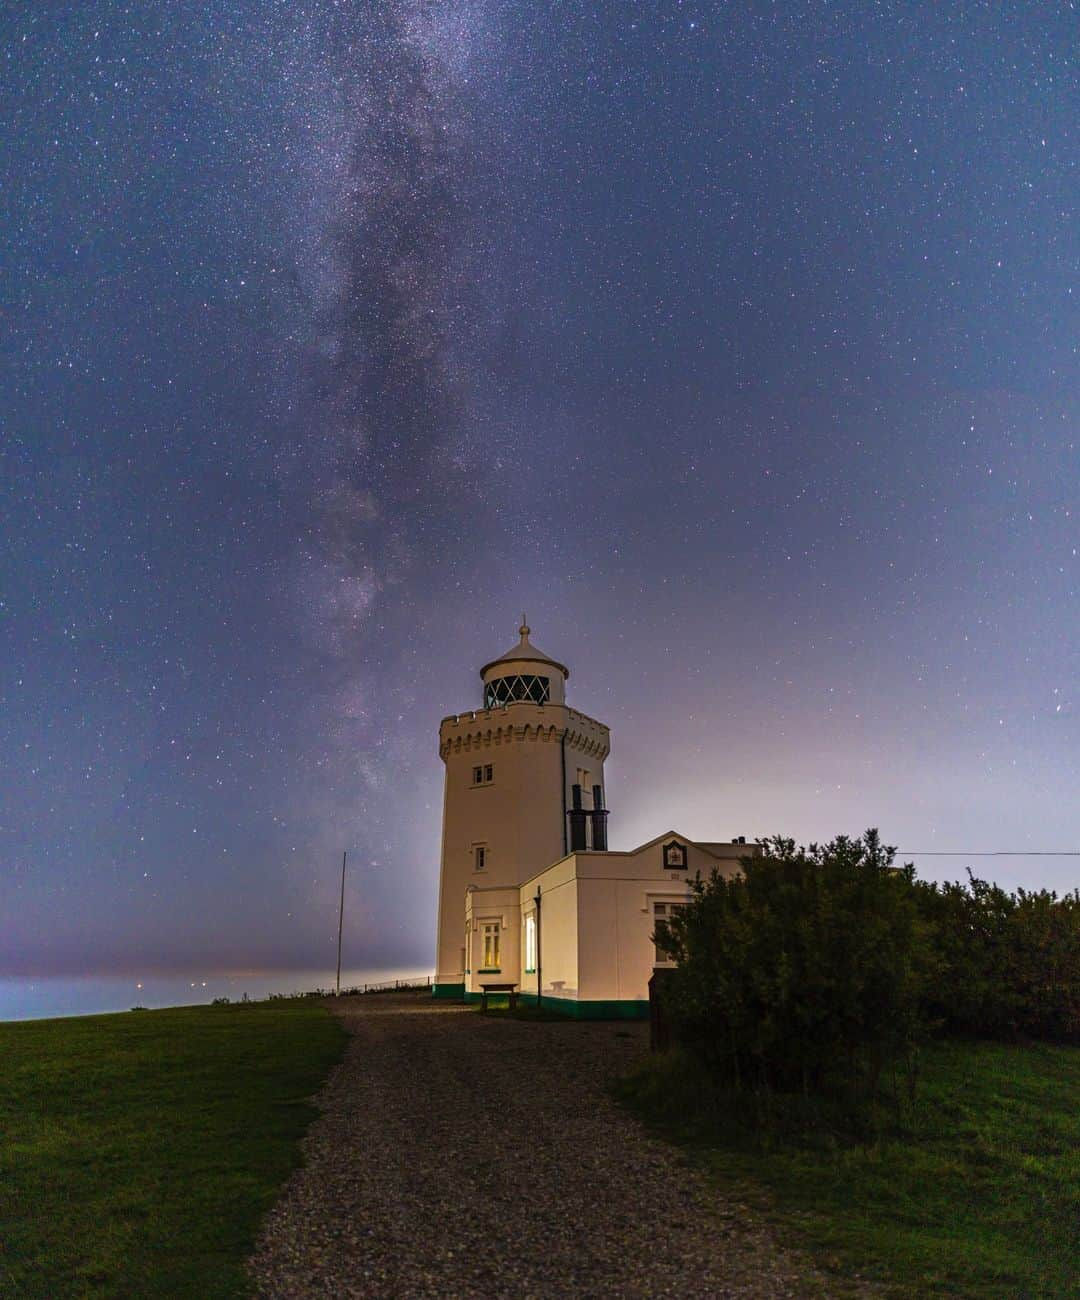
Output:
(479, 729)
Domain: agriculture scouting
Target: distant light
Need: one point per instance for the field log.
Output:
(138, 986)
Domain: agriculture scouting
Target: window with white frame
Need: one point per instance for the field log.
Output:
(489, 945)
(530, 942)
(480, 857)
(662, 912)
(483, 774)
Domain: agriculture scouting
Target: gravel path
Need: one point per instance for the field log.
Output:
(460, 1155)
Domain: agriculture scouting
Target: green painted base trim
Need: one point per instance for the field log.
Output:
(572, 1008)
(586, 1009)
(448, 991)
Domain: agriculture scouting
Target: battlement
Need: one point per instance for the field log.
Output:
(501, 710)
(521, 721)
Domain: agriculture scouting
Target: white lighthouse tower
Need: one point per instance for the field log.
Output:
(524, 789)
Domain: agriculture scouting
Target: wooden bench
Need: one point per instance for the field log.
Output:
(511, 990)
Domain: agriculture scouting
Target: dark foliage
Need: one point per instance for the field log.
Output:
(805, 970)
(1006, 965)
(818, 969)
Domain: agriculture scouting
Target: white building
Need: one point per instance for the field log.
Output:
(529, 893)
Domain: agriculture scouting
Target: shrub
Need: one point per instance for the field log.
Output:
(817, 968)
(1007, 965)
(805, 972)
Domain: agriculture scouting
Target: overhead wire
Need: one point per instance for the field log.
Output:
(992, 853)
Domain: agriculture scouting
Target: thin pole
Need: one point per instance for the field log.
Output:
(340, 921)
(539, 968)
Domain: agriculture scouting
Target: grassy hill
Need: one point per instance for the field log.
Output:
(974, 1191)
(141, 1150)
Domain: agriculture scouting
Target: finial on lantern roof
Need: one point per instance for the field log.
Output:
(524, 629)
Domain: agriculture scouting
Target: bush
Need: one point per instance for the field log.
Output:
(818, 968)
(1007, 965)
(804, 973)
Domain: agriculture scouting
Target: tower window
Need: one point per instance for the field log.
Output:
(483, 775)
(477, 775)
(489, 773)
(480, 857)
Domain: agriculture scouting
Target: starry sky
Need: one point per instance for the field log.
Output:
(734, 343)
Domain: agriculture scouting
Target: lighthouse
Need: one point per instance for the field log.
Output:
(532, 901)
(524, 788)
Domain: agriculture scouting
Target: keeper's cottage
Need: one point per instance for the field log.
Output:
(530, 895)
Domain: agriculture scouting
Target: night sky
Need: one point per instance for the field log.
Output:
(736, 344)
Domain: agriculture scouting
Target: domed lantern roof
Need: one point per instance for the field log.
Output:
(525, 652)
(524, 674)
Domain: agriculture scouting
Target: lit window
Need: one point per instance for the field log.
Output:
(480, 856)
(490, 948)
(662, 914)
(530, 942)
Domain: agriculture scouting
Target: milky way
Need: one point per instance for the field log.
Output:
(391, 404)
(734, 344)
(397, 315)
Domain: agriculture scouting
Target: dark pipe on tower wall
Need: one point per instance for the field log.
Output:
(599, 816)
(562, 747)
(578, 819)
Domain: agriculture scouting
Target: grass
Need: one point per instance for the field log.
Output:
(975, 1192)
(140, 1151)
